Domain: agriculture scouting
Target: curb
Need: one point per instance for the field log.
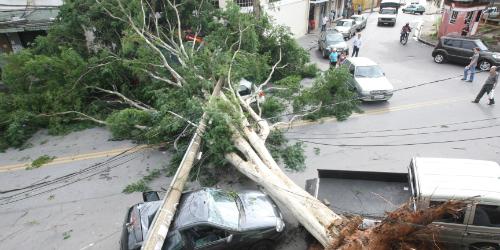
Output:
(426, 42)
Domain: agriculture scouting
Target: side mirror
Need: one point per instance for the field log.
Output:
(229, 238)
(150, 196)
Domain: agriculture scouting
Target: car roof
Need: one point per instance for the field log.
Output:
(471, 38)
(361, 61)
(445, 178)
(356, 15)
(200, 207)
(346, 19)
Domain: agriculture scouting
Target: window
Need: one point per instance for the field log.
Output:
(468, 45)
(173, 242)
(449, 218)
(452, 43)
(453, 17)
(205, 235)
(478, 16)
(487, 216)
(369, 71)
(244, 3)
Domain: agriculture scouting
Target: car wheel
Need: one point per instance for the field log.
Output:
(263, 245)
(484, 65)
(439, 58)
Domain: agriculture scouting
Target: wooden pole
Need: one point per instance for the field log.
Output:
(159, 228)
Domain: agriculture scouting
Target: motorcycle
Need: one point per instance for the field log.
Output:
(403, 39)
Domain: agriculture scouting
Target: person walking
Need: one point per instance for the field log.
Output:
(324, 22)
(471, 67)
(359, 9)
(356, 45)
(332, 17)
(488, 86)
(334, 57)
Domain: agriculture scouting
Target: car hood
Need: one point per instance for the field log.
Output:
(368, 84)
(259, 211)
(342, 45)
(342, 28)
(386, 16)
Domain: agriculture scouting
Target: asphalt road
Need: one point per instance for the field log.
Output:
(432, 105)
(86, 211)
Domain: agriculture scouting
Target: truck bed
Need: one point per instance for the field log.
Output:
(369, 194)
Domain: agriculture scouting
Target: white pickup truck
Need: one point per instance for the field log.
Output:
(428, 182)
(387, 16)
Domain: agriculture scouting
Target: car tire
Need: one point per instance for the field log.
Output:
(484, 65)
(439, 58)
(263, 245)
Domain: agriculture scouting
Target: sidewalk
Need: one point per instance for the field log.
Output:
(309, 41)
(427, 31)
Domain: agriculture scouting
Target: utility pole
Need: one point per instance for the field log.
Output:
(161, 223)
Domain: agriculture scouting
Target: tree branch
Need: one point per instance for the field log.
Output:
(135, 104)
(288, 124)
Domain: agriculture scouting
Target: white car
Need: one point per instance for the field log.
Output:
(387, 16)
(368, 80)
(360, 21)
(347, 27)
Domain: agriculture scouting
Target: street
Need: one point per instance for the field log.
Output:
(435, 104)
(428, 120)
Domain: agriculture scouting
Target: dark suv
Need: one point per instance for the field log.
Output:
(459, 50)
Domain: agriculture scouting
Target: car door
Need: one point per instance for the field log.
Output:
(465, 51)
(452, 47)
(208, 237)
(452, 228)
(484, 226)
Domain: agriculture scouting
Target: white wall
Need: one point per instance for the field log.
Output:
(291, 13)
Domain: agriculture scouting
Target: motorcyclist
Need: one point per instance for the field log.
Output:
(405, 30)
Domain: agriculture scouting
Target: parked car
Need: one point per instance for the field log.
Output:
(368, 79)
(360, 21)
(246, 89)
(387, 16)
(209, 219)
(427, 182)
(459, 50)
(414, 9)
(347, 27)
(332, 39)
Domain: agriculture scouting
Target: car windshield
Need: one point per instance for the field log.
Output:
(369, 71)
(388, 11)
(343, 24)
(225, 209)
(358, 18)
(334, 38)
(481, 46)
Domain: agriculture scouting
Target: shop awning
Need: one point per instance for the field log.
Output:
(318, 1)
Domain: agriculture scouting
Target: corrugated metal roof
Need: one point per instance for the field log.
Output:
(27, 20)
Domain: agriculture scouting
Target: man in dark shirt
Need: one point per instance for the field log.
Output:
(489, 85)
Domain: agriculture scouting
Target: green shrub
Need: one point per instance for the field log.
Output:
(40, 161)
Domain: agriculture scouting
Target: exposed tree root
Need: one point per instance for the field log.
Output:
(401, 229)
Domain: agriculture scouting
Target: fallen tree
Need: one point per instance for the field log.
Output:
(161, 85)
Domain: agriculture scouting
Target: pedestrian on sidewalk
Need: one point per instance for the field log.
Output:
(356, 45)
(324, 22)
(489, 86)
(471, 67)
(332, 16)
(359, 9)
(342, 58)
(334, 57)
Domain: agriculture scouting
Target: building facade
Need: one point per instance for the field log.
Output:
(461, 17)
(21, 21)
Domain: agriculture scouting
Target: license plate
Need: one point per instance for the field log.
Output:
(378, 97)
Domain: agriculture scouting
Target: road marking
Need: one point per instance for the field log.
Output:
(114, 152)
(380, 111)
(72, 158)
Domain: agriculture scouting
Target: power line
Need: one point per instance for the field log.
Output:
(399, 145)
(360, 98)
(396, 135)
(398, 129)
